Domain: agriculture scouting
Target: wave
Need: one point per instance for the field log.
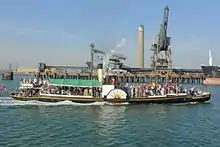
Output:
(6, 101)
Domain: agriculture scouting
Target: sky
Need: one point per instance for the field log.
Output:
(58, 32)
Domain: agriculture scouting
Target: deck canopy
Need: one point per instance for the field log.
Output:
(74, 83)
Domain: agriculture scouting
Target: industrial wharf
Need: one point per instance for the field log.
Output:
(160, 70)
(193, 78)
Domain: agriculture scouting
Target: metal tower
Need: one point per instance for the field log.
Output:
(111, 62)
(161, 59)
(10, 67)
(93, 52)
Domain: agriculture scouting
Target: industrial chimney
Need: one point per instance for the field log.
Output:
(141, 46)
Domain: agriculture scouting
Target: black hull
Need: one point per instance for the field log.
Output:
(131, 101)
(211, 71)
(8, 76)
(179, 100)
(51, 100)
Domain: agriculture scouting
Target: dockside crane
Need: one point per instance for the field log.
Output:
(93, 52)
(161, 47)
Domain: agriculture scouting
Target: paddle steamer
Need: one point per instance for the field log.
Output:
(90, 91)
(106, 88)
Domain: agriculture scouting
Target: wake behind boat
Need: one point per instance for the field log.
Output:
(90, 91)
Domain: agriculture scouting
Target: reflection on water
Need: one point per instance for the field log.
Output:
(110, 118)
(67, 124)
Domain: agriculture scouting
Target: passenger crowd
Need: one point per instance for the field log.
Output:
(150, 89)
(80, 91)
(26, 92)
(133, 90)
(37, 82)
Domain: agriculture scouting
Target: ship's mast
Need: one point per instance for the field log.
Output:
(10, 67)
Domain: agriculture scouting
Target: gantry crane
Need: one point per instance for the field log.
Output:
(161, 47)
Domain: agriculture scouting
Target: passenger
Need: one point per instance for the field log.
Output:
(162, 91)
(35, 80)
(136, 92)
(143, 91)
(86, 92)
(90, 92)
(199, 92)
(100, 91)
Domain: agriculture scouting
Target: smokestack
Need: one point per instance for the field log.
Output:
(141, 46)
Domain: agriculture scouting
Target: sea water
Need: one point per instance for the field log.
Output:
(36, 124)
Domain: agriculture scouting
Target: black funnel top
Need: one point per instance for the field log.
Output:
(100, 66)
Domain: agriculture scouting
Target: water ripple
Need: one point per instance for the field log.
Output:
(67, 124)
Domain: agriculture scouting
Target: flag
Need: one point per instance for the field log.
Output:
(2, 88)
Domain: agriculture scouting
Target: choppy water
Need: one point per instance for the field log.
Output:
(69, 124)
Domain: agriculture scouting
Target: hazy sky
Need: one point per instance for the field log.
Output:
(59, 32)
